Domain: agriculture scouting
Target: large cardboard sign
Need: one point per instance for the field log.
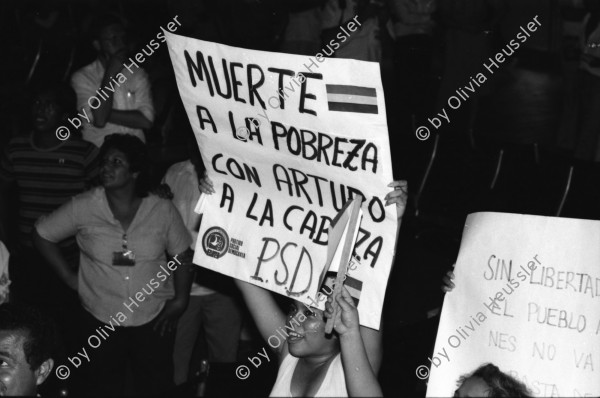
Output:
(527, 299)
(287, 140)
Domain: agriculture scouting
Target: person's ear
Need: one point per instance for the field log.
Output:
(135, 175)
(96, 44)
(42, 373)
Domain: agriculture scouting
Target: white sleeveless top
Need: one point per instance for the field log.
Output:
(334, 383)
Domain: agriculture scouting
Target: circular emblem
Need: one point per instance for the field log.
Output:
(215, 242)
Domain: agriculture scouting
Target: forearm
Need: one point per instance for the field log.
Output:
(360, 377)
(263, 308)
(52, 254)
(183, 276)
(133, 118)
(372, 341)
(103, 112)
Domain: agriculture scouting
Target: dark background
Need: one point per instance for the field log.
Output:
(508, 149)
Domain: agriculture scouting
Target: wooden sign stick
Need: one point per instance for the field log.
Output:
(345, 259)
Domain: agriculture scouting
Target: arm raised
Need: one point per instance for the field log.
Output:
(360, 374)
(266, 313)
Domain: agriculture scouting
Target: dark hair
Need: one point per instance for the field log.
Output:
(194, 153)
(105, 20)
(65, 96)
(41, 334)
(500, 384)
(137, 156)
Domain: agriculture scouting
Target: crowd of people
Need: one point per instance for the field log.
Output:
(100, 241)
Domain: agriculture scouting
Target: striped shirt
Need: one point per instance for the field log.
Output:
(46, 178)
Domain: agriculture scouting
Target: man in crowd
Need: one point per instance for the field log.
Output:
(113, 92)
(27, 339)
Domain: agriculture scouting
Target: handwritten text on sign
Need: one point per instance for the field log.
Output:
(285, 151)
(527, 299)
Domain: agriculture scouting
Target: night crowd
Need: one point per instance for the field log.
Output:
(99, 292)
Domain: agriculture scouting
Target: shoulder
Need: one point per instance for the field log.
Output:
(157, 204)
(4, 255)
(19, 147)
(19, 142)
(139, 76)
(3, 251)
(178, 169)
(87, 72)
(91, 197)
(78, 145)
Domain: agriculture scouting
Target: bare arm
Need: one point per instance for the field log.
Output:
(174, 308)
(183, 275)
(52, 254)
(360, 375)
(372, 340)
(398, 196)
(266, 313)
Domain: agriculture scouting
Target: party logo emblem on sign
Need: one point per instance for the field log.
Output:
(215, 242)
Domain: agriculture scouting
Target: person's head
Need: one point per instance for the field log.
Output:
(308, 338)
(51, 106)
(27, 341)
(110, 35)
(124, 163)
(489, 381)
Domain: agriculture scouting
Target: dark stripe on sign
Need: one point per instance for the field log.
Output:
(350, 90)
(354, 287)
(344, 98)
(350, 282)
(346, 107)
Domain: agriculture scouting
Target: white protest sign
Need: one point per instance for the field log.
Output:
(285, 147)
(527, 299)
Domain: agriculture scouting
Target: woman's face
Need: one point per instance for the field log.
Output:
(308, 337)
(115, 171)
(472, 387)
(45, 112)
